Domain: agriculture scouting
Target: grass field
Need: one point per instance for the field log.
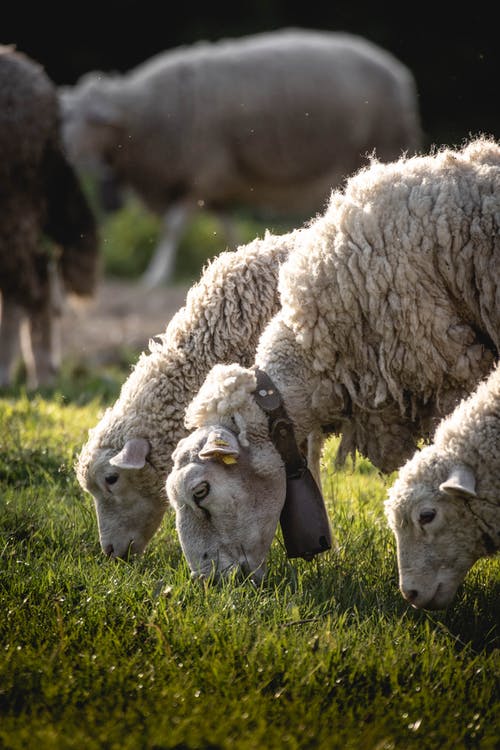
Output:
(102, 654)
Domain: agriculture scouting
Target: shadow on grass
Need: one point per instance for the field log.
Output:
(333, 586)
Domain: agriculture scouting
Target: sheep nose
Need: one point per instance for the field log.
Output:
(411, 595)
(109, 550)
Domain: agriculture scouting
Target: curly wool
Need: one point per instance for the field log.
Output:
(393, 292)
(222, 319)
(223, 396)
(390, 311)
(470, 435)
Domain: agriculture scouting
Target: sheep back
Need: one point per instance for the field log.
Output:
(393, 292)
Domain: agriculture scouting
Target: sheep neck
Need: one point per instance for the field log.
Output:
(297, 396)
(157, 392)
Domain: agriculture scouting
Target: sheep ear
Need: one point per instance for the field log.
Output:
(132, 455)
(461, 482)
(221, 445)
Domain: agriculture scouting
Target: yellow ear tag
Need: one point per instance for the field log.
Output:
(229, 459)
(223, 456)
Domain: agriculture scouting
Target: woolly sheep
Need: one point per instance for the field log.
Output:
(40, 200)
(128, 454)
(389, 315)
(270, 121)
(444, 507)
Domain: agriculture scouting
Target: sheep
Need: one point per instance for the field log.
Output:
(389, 315)
(48, 234)
(127, 456)
(271, 121)
(444, 507)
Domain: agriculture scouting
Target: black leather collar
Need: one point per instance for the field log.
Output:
(303, 519)
(281, 429)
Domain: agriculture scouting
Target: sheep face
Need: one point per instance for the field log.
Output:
(125, 491)
(437, 535)
(90, 123)
(227, 499)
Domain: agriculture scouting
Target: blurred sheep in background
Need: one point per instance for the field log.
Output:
(271, 122)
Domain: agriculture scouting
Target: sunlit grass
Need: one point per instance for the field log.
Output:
(102, 654)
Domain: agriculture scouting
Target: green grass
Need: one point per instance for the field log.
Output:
(129, 237)
(102, 654)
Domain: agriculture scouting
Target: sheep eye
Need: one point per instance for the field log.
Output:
(426, 516)
(111, 479)
(201, 491)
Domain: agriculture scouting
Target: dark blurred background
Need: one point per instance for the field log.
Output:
(454, 54)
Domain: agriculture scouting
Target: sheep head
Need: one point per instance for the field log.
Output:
(125, 488)
(431, 509)
(91, 121)
(228, 483)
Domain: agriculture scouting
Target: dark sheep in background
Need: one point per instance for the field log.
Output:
(48, 233)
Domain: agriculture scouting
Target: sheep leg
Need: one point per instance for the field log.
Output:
(161, 266)
(10, 327)
(39, 343)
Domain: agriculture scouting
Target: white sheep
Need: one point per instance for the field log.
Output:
(128, 454)
(48, 234)
(271, 121)
(389, 315)
(444, 507)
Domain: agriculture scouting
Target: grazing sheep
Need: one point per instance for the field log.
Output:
(270, 121)
(40, 200)
(128, 454)
(389, 315)
(444, 507)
